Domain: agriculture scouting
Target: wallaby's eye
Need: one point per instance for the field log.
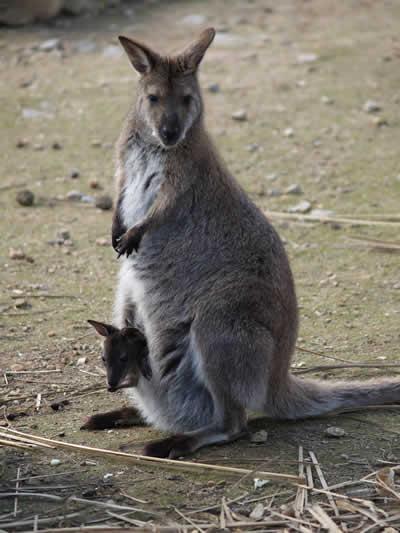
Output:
(187, 99)
(153, 98)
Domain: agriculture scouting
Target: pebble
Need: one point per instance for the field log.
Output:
(194, 20)
(21, 303)
(301, 207)
(22, 143)
(95, 143)
(294, 189)
(288, 132)
(259, 437)
(213, 88)
(253, 147)
(63, 235)
(258, 512)
(306, 58)
(49, 45)
(56, 145)
(240, 115)
(272, 177)
(379, 121)
(16, 254)
(81, 361)
(55, 462)
(371, 106)
(260, 483)
(326, 100)
(334, 432)
(104, 202)
(87, 199)
(25, 197)
(74, 173)
(102, 241)
(396, 286)
(274, 192)
(74, 196)
(51, 334)
(94, 184)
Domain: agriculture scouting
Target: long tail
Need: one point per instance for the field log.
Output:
(307, 398)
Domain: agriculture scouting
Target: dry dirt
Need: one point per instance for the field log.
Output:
(344, 158)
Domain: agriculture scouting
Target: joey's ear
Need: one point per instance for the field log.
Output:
(190, 58)
(142, 58)
(103, 329)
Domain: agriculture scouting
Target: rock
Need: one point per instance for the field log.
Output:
(50, 45)
(56, 145)
(74, 196)
(260, 437)
(253, 147)
(22, 143)
(288, 132)
(102, 241)
(52, 334)
(81, 361)
(396, 286)
(74, 173)
(294, 189)
(334, 432)
(95, 143)
(213, 88)
(104, 202)
(194, 20)
(379, 121)
(258, 512)
(55, 462)
(87, 199)
(16, 254)
(301, 207)
(306, 58)
(63, 235)
(240, 115)
(21, 303)
(272, 177)
(371, 106)
(274, 192)
(94, 184)
(25, 197)
(260, 483)
(326, 100)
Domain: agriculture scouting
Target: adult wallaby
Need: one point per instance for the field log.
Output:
(210, 285)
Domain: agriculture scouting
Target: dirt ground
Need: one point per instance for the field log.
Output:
(304, 73)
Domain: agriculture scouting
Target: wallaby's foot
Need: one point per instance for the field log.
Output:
(124, 417)
(171, 447)
(130, 241)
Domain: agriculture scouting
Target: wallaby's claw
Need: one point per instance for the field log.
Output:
(129, 242)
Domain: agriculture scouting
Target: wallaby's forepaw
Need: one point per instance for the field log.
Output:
(129, 241)
(171, 448)
(100, 421)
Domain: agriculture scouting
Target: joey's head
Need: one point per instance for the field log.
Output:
(169, 100)
(125, 355)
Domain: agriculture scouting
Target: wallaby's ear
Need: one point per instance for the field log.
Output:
(190, 58)
(142, 58)
(104, 330)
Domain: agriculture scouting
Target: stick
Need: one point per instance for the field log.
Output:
(144, 459)
(16, 490)
(323, 481)
(323, 220)
(322, 368)
(326, 521)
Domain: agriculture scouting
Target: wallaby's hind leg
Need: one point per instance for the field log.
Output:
(124, 417)
(231, 363)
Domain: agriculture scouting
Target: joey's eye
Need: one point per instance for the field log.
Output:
(153, 98)
(187, 99)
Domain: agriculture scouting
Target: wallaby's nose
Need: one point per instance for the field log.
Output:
(170, 130)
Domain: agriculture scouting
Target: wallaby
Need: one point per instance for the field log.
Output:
(125, 357)
(210, 284)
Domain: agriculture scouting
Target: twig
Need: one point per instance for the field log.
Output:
(324, 220)
(189, 520)
(323, 481)
(306, 350)
(326, 522)
(16, 490)
(322, 368)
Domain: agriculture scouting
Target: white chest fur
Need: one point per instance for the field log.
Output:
(144, 171)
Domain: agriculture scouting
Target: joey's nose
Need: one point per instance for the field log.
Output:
(170, 131)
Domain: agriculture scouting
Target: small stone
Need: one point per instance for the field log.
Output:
(194, 20)
(17, 367)
(258, 512)
(74, 173)
(301, 207)
(81, 361)
(326, 100)
(55, 462)
(104, 202)
(22, 143)
(25, 197)
(49, 45)
(87, 199)
(371, 106)
(16, 254)
(288, 132)
(240, 115)
(52, 334)
(38, 147)
(253, 147)
(21, 303)
(396, 286)
(294, 189)
(63, 235)
(260, 483)
(272, 177)
(306, 58)
(334, 432)
(74, 196)
(56, 145)
(274, 192)
(94, 184)
(213, 88)
(379, 121)
(102, 241)
(260, 437)
(95, 143)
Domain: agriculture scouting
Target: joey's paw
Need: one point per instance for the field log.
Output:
(170, 448)
(129, 242)
(89, 424)
(95, 422)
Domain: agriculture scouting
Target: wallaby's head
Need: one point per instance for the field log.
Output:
(169, 99)
(125, 355)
